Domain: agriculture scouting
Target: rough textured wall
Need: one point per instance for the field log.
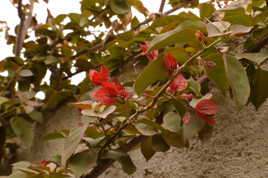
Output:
(238, 147)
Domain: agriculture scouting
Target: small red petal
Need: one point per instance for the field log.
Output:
(207, 107)
(186, 118)
(152, 55)
(170, 63)
(178, 84)
(99, 77)
(104, 96)
(43, 163)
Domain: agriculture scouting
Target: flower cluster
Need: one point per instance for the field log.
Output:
(108, 93)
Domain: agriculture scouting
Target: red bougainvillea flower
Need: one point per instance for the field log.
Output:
(170, 63)
(186, 96)
(211, 64)
(205, 109)
(186, 118)
(108, 94)
(178, 84)
(99, 77)
(152, 55)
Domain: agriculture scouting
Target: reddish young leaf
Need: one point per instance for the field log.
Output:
(207, 107)
(99, 77)
(178, 84)
(170, 63)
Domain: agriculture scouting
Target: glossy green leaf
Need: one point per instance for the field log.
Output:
(172, 122)
(82, 162)
(238, 80)
(194, 86)
(119, 6)
(217, 73)
(127, 164)
(148, 75)
(146, 127)
(257, 58)
(23, 129)
(206, 10)
(173, 139)
(238, 16)
(73, 140)
(159, 144)
(259, 85)
(183, 33)
(193, 127)
(3, 100)
(37, 116)
(147, 149)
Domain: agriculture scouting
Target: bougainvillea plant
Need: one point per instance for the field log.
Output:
(148, 84)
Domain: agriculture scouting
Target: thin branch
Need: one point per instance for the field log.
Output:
(24, 25)
(98, 170)
(100, 46)
(162, 5)
(259, 45)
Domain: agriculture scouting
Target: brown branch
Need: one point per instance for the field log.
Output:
(258, 46)
(162, 5)
(24, 25)
(100, 46)
(99, 169)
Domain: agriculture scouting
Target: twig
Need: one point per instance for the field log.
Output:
(24, 25)
(162, 5)
(259, 45)
(98, 170)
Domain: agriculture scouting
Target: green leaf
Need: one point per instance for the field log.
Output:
(238, 80)
(206, 10)
(119, 6)
(173, 139)
(192, 128)
(82, 162)
(179, 53)
(181, 34)
(217, 73)
(53, 136)
(257, 58)
(159, 144)
(148, 75)
(147, 149)
(259, 85)
(123, 158)
(37, 116)
(238, 16)
(3, 100)
(23, 129)
(73, 140)
(25, 73)
(137, 4)
(127, 164)
(146, 127)
(194, 86)
(172, 122)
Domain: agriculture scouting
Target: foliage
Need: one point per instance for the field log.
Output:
(167, 101)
